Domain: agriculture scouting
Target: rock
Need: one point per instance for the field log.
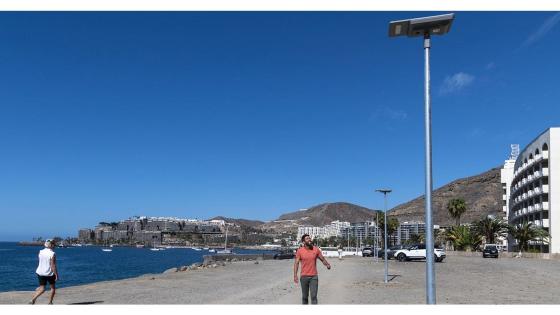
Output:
(171, 270)
(256, 262)
(234, 259)
(184, 268)
(214, 265)
(195, 265)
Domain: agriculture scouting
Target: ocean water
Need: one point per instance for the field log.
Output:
(87, 264)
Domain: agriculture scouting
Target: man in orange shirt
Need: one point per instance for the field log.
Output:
(307, 255)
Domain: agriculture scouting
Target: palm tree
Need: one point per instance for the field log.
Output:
(526, 232)
(464, 238)
(392, 225)
(490, 228)
(456, 208)
(417, 238)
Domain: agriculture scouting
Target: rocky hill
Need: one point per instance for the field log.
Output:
(482, 194)
(320, 215)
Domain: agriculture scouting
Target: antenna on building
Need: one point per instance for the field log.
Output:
(514, 151)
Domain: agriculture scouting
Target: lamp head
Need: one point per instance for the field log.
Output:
(433, 25)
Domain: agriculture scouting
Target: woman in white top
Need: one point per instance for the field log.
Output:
(46, 271)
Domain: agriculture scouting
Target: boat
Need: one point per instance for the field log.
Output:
(206, 248)
(196, 248)
(139, 246)
(155, 249)
(107, 248)
(225, 250)
(212, 250)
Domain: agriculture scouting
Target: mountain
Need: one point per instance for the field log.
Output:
(482, 194)
(320, 215)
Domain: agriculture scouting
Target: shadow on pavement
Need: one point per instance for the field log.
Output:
(86, 303)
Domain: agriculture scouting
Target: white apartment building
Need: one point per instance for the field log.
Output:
(333, 229)
(534, 194)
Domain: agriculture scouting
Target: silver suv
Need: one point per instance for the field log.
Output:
(418, 251)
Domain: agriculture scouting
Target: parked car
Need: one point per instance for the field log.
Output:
(418, 251)
(490, 250)
(284, 254)
(390, 252)
(367, 252)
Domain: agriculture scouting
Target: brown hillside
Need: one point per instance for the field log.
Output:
(482, 193)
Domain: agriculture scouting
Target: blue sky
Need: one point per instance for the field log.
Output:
(251, 115)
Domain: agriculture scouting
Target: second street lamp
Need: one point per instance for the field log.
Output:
(426, 26)
(385, 192)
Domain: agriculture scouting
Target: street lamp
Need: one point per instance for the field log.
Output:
(426, 26)
(376, 246)
(385, 192)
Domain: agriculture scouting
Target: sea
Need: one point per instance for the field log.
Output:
(88, 264)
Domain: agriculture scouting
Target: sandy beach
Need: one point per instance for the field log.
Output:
(353, 280)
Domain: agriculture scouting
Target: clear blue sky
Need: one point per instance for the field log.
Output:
(251, 115)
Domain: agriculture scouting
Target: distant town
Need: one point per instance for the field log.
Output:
(156, 231)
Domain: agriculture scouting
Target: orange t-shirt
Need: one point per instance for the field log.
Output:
(308, 258)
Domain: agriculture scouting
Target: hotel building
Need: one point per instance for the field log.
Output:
(534, 194)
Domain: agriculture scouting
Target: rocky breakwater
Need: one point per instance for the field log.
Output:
(216, 261)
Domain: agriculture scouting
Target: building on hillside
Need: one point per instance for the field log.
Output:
(152, 230)
(535, 189)
(86, 235)
(313, 231)
(334, 229)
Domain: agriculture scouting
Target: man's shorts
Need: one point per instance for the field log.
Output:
(44, 279)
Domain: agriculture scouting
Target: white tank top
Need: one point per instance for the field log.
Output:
(45, 257)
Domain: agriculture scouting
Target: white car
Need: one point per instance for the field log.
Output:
(418, 252)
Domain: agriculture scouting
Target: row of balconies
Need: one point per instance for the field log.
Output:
(531, 209)
(531, 193)
(536, 175)
(539, 157)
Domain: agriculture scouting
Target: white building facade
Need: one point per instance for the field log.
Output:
(534, 194)
(333, 229)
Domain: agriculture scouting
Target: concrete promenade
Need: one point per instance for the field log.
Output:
(354, 280)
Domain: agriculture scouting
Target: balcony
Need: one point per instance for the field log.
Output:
(531, 209)
(538, 157)
(524, 211)
(537, 207)
(545, 223)
(537, 174)
(545, 206)
(545, 154)
(504, 208)
(545, 189)
(545, 171)
(530, 193)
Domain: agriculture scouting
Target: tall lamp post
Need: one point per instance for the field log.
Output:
(426, 26)
(376, 246)
(385, 192)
